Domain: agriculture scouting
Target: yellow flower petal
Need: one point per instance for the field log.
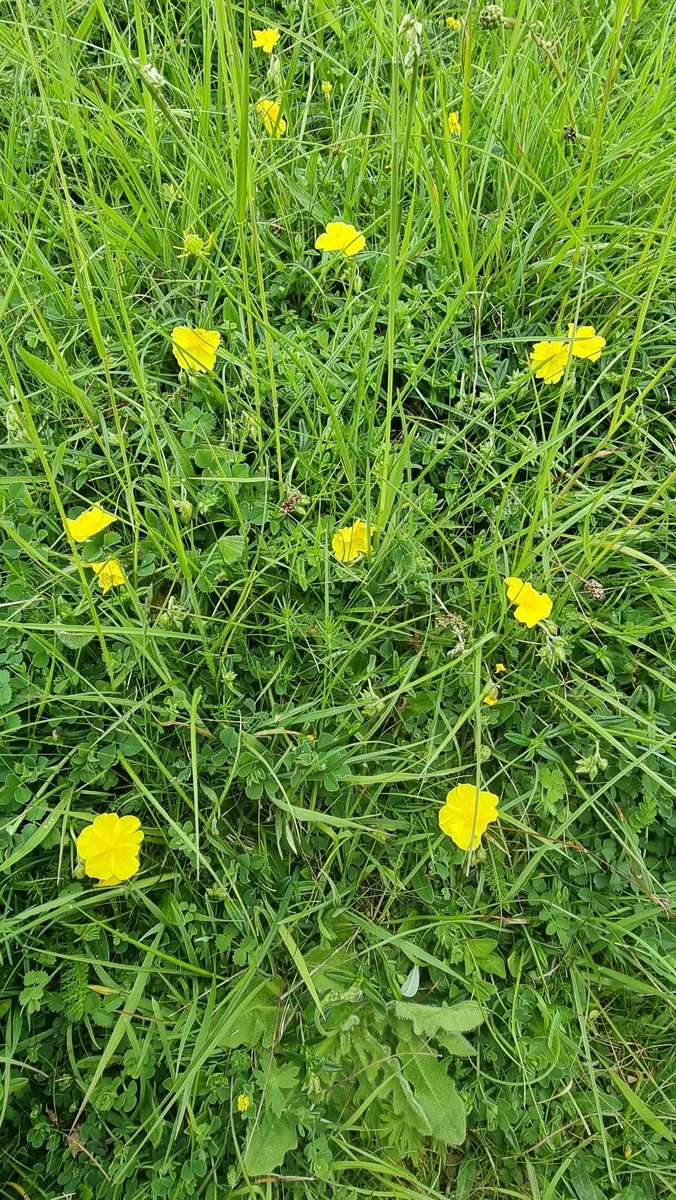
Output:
(499, 668)
(269, 111)
(265, 39)
(195, 349)
(109, 573)
(453, 23)
(454, 126)
(514, 585)
(491, 698)
(100, 866)
(109, 847)
(550, 358)
(464, 811)
(91, 521)
(533, 607)
(352, 541)
(586, 342)
(342, 237)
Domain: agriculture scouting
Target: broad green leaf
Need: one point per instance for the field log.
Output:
(231, 548)
(405, 1104)
(429, 1019)
(269, 1143)
(455, 1043)
(437, 1097)
(256, 1021)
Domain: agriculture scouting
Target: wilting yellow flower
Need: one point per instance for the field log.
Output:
(265, 39)
(550, 358)
(243, 1102)
(109, 848)
(340, 236)
(109, 573)
(351, 542)
(587, 343)
(194, 245)
(531, 606)
(491, 697)
(499, 668)
(91, 521)
(454, 126)
(195, 349)
(453, 23)
(327, 87)
(466, 810)
(268, 111)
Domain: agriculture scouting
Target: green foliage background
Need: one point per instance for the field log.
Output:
(286, 727)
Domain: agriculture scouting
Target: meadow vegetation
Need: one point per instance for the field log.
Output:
(337, 493)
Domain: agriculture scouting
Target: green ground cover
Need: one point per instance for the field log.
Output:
(307, 989)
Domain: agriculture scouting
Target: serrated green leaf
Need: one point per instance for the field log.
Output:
(437, 1097)
(405, 1104)
(429, 1019)
(455, 1043)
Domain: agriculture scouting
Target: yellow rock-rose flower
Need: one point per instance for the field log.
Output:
(91, 521)
(353, 541)
(109, 848)
(268, 111)
(531, 606)
(587, 343)
(466, 810)
(265, 39)
(109, 573)
(550, 359)
(342, 237)
(195, 349)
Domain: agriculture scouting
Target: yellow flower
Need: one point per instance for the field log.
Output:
(587, 343)
(340, 236)
(453, 23)
(109, 573)
(243, 1102)
(265, 39)
(454, 126)
(195, 349)
(531, 606)
(351, 542)
(499, 668)
(91, 521)
(109, 848)
(491, 698)
(327, 87)
(466, 810)
(550, 358)
(269, 111)
(194, 245)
